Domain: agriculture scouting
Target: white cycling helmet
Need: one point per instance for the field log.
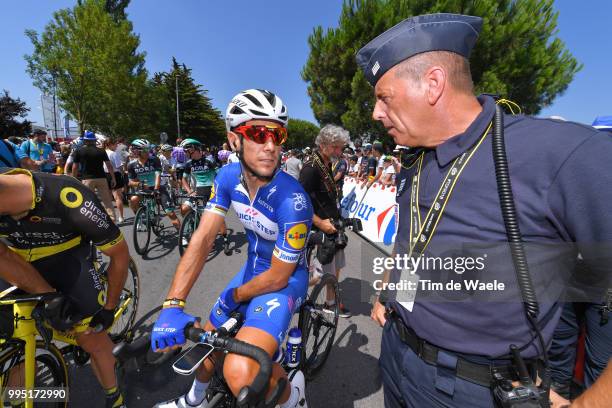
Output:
(255, 104)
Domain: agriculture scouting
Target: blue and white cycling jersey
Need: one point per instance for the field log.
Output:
(277, 221)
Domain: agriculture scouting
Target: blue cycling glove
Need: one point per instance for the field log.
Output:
(169, 329)
(226, 301)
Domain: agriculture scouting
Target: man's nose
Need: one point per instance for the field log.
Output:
(378, 113)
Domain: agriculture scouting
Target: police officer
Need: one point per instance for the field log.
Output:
(440, 347)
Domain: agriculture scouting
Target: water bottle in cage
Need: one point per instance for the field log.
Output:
(294, 345)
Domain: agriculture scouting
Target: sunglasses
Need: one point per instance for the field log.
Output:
(260, 133)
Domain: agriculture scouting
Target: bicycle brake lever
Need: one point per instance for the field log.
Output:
(276, 393)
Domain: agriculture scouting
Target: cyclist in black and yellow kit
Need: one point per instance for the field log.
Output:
(47, 223)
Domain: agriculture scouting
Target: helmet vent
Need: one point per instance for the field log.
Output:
(253, 99)
(258, 113)
(236, 110)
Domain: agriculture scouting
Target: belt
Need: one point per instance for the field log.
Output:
(481, 374)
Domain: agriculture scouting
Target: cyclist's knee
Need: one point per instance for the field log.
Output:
(185, 209)
(239, 372)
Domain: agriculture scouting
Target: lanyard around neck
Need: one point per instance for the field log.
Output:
(421, 233)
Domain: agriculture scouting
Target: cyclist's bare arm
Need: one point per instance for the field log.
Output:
(194, 258)
(272, 280)
(134, 183)
(75, 169)
(186, 186)
(117, 272)
(157, 179)
(16, 271)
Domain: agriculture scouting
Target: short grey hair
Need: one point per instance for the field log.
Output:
(331, 135)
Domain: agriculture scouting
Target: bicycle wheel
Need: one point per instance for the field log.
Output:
(318, 324)
(157, 220)
(129, 297)
(141, 231)
(51, 369)
(188, 227)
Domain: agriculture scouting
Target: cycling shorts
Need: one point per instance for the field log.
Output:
(71, 273)
(200, 191)
(270, 312)
(180, 169)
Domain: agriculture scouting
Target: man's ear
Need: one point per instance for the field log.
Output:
(436, 82)
(233, 140)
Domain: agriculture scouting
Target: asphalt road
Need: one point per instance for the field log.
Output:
(350, 377)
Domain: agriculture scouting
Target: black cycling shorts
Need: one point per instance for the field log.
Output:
(71, 273)
(118, 178)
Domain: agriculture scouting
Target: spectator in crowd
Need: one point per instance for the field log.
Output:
(293, 165)
(65, 153)
(378, 153)
(318, 181)
(224, 154)
(178, 158)
(92, 160)
(119, 167)
(339, 170)
(353, 166)
(368, 166)
(12, 156)
(39, 151)
(388, 174)
(359, 154)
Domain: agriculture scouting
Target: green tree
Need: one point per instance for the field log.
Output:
(10, 110)
(116, 8)
(516, 56)
(94, 63)
(198, 118)
(301, 133)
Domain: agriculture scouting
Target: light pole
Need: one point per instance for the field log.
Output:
(54, 111)
(178, 125)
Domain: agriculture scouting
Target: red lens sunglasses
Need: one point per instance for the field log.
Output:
(260, 133)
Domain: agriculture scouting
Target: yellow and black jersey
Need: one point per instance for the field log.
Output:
(64, 214)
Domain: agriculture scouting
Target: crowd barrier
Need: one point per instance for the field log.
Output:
(375, 207)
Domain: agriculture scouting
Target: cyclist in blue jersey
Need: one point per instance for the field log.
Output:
(147, 170)
(277, 215)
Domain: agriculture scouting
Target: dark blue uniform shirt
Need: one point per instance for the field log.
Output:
(562, 187)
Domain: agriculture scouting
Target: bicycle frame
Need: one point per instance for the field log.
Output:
(26, 331)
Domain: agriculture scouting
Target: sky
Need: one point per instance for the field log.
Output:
(241, 44)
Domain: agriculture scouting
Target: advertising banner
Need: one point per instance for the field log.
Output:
(375, 207)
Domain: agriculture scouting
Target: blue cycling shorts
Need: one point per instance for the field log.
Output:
(271, 312)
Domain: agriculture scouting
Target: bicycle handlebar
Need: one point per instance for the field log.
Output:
(197, 197)
(249, 394)
(124, 351)
(147, 193)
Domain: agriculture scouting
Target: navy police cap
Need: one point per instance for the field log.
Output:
(431, 32)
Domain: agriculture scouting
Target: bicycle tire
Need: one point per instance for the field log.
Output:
(124, 324)
(188, 226)
(51, 368)
(157, 220)
(141, 247)
(313, 319)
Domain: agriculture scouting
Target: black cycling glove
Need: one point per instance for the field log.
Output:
(102, 320)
